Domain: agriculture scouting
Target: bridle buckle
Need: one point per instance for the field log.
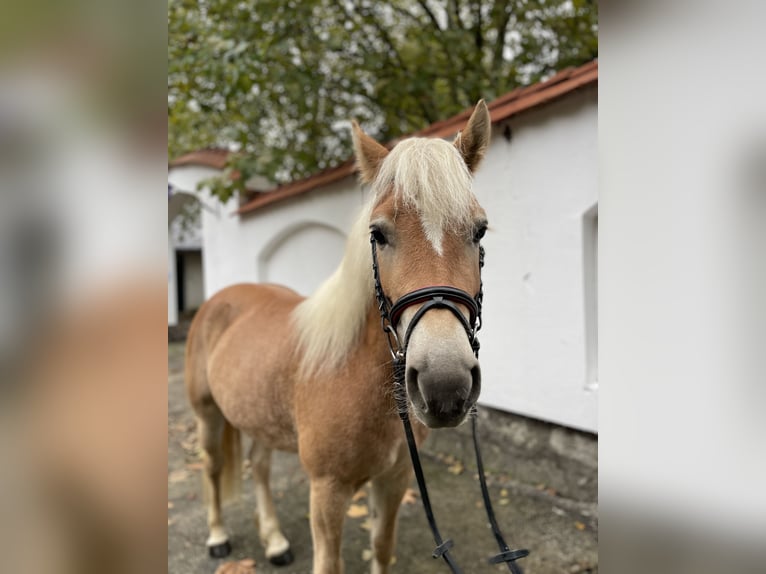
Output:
(394, 345)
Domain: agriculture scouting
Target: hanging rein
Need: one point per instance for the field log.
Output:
(440, 297)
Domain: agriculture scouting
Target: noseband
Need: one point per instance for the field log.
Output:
(438, 297)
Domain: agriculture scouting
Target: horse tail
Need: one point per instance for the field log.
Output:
(231, 473)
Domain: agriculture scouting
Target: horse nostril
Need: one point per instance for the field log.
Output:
(449, 408)
(411, 377)
(458, 408)
(413, 388)
(444, 394)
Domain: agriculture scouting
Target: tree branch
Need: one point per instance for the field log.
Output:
(407, 14)
(446, 46)
(382, 33)
(456, 14)
(424, 5)
(386, 38)
(478, 37)
(497, 55)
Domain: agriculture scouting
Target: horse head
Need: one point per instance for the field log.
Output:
(426, 225)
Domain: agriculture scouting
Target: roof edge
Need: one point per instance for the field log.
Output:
(208, 157)
(502, 108)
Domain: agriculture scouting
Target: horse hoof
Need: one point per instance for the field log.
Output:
(221, 550)
(282, 559)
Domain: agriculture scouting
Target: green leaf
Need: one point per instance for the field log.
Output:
(280, 79)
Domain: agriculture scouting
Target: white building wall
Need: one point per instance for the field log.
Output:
(536, 190)
(298, 242)
(185, 179)
(301, 255)
(172, 297)
(185, 237)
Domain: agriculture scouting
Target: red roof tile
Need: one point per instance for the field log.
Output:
(210, 157)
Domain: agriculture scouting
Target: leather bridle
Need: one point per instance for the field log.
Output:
(437, 297)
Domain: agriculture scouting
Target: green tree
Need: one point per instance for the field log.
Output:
(278, 80)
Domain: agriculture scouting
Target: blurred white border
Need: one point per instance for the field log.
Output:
(682, 214)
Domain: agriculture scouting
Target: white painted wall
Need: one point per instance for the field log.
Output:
(187, 238)
(297, 242)
(301, 255)
(536, 190)
(172, 297)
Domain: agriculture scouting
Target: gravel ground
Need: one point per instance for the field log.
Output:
(561, 531)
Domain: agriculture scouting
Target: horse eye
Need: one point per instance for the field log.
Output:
(479, 233)
(378, 236)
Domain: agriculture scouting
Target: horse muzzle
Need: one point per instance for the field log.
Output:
(442, 390)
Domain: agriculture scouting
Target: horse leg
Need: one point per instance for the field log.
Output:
(211, 425)
(276, 545)
(329, 502)
(385, 498)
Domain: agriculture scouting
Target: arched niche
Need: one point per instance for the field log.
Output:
(301, 256)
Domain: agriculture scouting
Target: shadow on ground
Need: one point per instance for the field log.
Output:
(554, 518)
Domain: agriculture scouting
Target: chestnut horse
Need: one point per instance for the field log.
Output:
(314, 375)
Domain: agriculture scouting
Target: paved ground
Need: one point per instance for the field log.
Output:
(558, 524)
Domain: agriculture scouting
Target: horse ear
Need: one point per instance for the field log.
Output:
(472, 142)
(369, 153)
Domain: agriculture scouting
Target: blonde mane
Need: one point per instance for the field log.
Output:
(428, 175)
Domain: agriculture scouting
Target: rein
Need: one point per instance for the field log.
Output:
(439, 297)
